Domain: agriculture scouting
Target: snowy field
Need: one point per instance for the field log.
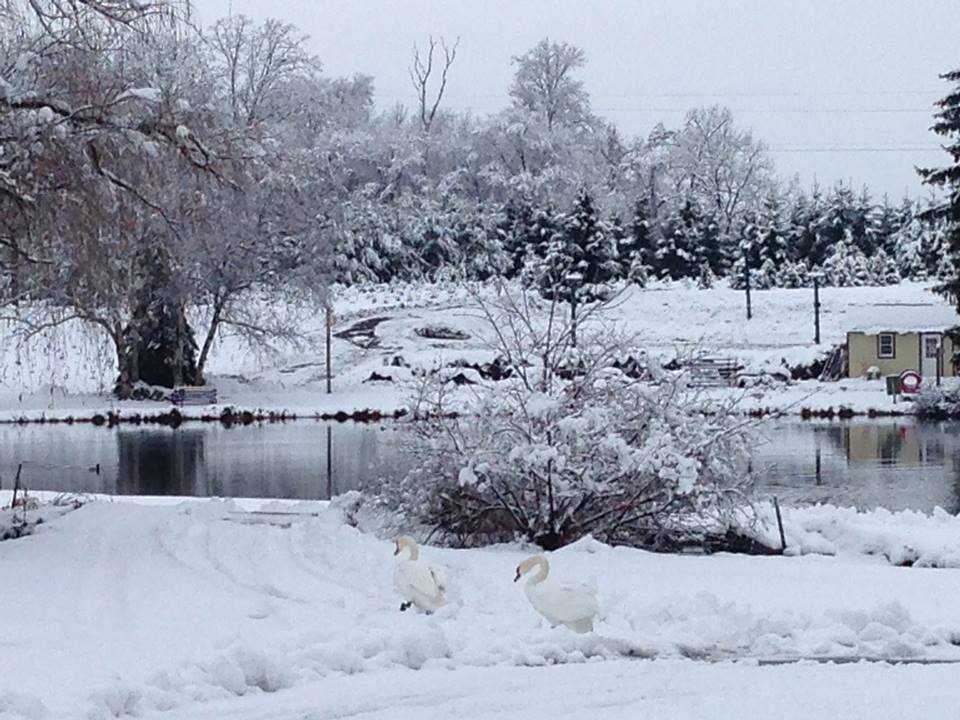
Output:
(184, 611)
(69, 370)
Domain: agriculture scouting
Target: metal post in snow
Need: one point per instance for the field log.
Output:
(783, 539)
(573, 317)
(816, 309)
(746, 279)
(16, 487)
(573, 281)
(329, 323)
(329, 464)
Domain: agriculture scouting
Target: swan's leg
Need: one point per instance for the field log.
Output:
(405, 606)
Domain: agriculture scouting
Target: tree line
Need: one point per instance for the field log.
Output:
(159, 180)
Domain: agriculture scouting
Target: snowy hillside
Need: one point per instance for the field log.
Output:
(184, 609)
(69, 370)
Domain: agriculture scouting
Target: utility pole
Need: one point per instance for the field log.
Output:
(816, 309)
(329, 322)
(573, 282)
(652, 210)
(746, 280)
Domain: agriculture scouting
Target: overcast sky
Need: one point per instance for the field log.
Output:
(808, 76)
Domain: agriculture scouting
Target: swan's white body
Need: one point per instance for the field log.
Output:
(561, 602)
(419, 583)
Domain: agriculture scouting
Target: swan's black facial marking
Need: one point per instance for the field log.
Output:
(518, 576)
(396, 548)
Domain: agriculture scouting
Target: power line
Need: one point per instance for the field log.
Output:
(838, 93)
(737, 94)
(742, 110)
(853, 149)
(801, 111)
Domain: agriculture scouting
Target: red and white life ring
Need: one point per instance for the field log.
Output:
(910, 382)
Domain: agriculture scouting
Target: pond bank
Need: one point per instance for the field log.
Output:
(376, 401)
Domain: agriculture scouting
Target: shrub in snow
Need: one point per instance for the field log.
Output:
(569, 445)
(937, 403)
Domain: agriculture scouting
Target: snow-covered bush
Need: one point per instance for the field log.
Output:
(938, 403)
(569, 445)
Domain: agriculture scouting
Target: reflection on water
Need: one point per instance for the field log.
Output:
(893, 463)
(294, 460)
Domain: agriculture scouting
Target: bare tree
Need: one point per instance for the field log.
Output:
(421, 73)
(725, 167)
(260, 279)
(258, 63)
(544, 83)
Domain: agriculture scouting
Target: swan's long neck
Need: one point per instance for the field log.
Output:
(412, 547)
(544, 569)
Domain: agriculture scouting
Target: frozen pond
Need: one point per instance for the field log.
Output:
(894, 463)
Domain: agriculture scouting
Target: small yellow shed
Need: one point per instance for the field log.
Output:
(927, 352)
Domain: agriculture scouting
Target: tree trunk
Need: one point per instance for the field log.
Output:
(124, 387)
(178, 349)
(15, 276)
(208, 342)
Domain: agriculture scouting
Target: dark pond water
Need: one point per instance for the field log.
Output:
(287, 460)
(897, 464)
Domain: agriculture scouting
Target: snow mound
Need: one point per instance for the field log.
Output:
(16, 706)
(907, 537)
(151, 608)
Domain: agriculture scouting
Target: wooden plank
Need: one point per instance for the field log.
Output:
(712, 372)
(186, 395)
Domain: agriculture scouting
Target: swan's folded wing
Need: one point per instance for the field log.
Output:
(416, 577)
(439, 573)
(567, 600)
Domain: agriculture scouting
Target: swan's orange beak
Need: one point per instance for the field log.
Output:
(518, 575)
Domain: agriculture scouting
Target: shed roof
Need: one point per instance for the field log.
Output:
(904, 317)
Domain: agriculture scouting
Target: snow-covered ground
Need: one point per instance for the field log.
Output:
(183, 611)
(69, 370)
(612, 691)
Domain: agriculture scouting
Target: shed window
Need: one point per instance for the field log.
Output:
(886, 345)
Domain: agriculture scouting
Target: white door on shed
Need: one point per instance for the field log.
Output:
(929, 352)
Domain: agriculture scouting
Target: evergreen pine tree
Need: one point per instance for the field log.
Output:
(806, 236)
(676, 254)
(860, 274)
(835, 225)
(883, 224)
(772, 242)
(706, 279)
(705, 242)
(846, 265)
(883, 269)
(864, 221)
(581, 256)
(908, 243)
(623, 241)
(747, 253)
(642, 231)
(515, 232)
(947, 125)
(794, 275)
(159, 345)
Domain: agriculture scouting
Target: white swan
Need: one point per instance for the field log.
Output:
(418, 583)
(561, 602)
